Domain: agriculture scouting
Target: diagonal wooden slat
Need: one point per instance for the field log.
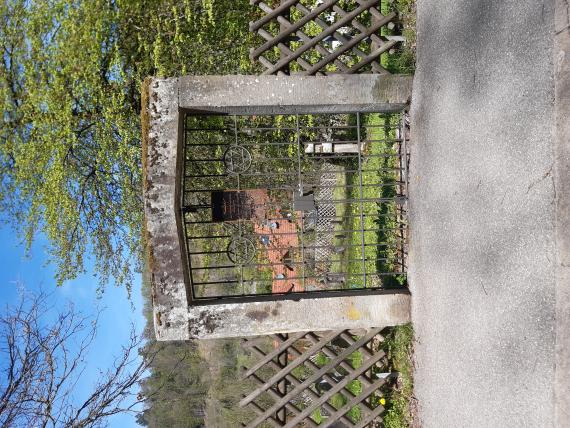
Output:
(294, 381)
(297, 25)
(369, 418)
(285, 49)
(376, 13)
(275, 378)
(353, 402)
(336, 34)
(282, 8)
(274, 353)
(305, 47)
(285, 412)
(326, 377)
(311, 379)
(265, 61)
(289, 406)
(348, 337)
(259, 410)
(342, 56)
(372, 56)
(325, 397)
(320, 49)
(353, 42)
(359, 26)
(342, 364)
(362, 378)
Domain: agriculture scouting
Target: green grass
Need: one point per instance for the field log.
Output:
(378, 217)
(322, 359)
(399, 347)
(337, 401)
(355, 359)
(339, 192)
(317, 416)
(301, 372)
(399, 343)
(404, 59)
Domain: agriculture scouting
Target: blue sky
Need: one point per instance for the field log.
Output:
(115, 319)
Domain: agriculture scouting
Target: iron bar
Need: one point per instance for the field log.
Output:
(327, 232)
(361, 197)
(280, 10)
(397, 199)
(398, 208)
(271, 144)
(270, 174)
(262, 280)
(334, 232)
(290, 263)
(307, 247)
(300, 190)
(316, 186)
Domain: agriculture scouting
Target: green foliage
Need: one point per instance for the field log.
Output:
(177, 37)
(317, 416)
(177, 385)
(227, 388)
(321, 359)
(404, 59)
(70, 155)
(69, 151)
(176, 388)
(399, 347)
(379, 220)
(355, 359)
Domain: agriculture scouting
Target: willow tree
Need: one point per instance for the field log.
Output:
(69, 150)
(69, 94)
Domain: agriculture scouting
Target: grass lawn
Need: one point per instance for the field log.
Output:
(399, 343)
(404, 59)
(399, 347)
(378, 220)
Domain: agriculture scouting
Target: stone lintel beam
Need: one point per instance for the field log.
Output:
(295, 94)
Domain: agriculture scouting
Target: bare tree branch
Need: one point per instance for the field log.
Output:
(42, 359)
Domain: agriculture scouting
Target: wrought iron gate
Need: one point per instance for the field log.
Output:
(294, 204)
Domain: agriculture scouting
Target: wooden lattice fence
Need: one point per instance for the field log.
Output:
(316, 37)
(318, 379)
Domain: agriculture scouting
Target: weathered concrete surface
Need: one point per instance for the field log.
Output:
(163, 251)
(286, 316)
(296, 94)
(176, 317)
(487, 216)
(562, 186)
